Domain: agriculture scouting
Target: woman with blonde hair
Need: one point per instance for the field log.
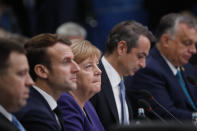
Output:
(78, 113)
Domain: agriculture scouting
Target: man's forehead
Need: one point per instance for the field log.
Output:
(59, 48)
(186, 33)
(17, 59)
(59, 45)
(60, 52)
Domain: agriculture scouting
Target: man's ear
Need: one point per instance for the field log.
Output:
(165, 40)
(41, 71)
(122, 47)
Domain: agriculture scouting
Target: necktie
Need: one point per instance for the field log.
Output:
(17, 123)
(182, 84)
(123, 103)
(59, 115)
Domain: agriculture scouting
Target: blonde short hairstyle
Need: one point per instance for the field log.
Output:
(82, 49)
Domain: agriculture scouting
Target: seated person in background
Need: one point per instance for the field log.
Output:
(78, 112)
(127, 46)
(14, 83)
(13, 36)
(167, 70)
(71, 30)
(54, 71)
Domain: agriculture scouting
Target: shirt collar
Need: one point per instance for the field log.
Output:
(50, 100)
(5, 113)
(172, 67)
(112, 74)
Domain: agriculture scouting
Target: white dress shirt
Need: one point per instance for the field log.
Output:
(5, 113)
(171, 66)
(114, 79)
(50, 100)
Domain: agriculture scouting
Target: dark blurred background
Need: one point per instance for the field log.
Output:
(31, 17)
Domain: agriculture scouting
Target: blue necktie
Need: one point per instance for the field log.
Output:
(182, 84)
(123, 103)
(17, 123)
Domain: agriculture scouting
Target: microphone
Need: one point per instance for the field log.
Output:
(192, 80)
(148, 95)
(144, 104)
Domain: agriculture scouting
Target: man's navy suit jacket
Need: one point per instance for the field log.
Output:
(37, 114)
(104, 102)
(159, 80)
(6, 125)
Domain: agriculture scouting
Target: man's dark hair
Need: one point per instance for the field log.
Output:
(6, 48)
(129, 31)
(37, 50)
(168, 24)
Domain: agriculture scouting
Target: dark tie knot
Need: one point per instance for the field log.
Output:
(60, 117)
(57, 111)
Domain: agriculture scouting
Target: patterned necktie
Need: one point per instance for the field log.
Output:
(182, 84)
(17, 123)
(123, 103)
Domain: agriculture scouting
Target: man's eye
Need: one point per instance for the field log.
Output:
(140, 56)
(187, 42)
(22, 73)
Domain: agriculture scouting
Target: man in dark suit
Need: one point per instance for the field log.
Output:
(167, 70)
(127, 46)
(7, 125)
(54, 71)
(14, 83)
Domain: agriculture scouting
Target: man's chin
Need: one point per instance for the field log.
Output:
(19, 106)
(73, 86)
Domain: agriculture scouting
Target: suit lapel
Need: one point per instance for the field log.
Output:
(107, 89)
(6, 125)
(35, 93)
(129, 108)
(155, 53)
(188, 88)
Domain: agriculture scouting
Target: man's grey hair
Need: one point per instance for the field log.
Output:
(71, 29)
(169, 23)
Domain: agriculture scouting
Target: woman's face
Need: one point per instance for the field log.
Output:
(89, 76)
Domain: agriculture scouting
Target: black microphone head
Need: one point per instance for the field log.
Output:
(146, 94)
(191, 80)
(148, 108)
(144, 104)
